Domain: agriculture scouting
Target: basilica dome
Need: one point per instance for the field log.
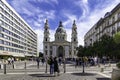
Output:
(60, 33)
(60, 29)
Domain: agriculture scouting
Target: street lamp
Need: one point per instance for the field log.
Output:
(83, 65)
(64, 64)
(25, 60)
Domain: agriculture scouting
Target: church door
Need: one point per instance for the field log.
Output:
(60, 51)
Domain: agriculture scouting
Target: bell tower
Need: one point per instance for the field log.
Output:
(74, 40)
(46, 39)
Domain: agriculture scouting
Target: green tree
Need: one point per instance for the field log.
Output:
(117, 38)
(40, 54)
(117, 41)
(80, 51)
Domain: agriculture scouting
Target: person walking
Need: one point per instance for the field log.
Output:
(42, 60)
(56, 67)
(38, 61)
(51, 63)
(76, 62)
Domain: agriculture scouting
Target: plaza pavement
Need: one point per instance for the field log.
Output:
(72, 73)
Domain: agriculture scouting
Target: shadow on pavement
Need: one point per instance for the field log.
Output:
(41, 75)
(83, 74)
(103, 78)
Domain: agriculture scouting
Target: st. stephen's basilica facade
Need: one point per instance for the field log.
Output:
(60, 47)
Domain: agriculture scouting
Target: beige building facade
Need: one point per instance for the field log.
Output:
(109, 25)
(17, 38)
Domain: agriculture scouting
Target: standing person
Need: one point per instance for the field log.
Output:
(51, 63)
(38, 61)
(60, 60)
(12, 61)
(42, 60)
(9, 60)
(56, 67)
(77, 62)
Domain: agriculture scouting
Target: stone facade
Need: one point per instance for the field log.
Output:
(60, 47)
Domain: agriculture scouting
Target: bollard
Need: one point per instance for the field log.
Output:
(4, 68)
(102, 69)
(46, 68)
(25, 65)
(83, 68)
(13, 66)
(64, 65)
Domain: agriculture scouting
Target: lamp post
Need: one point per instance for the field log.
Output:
(83, 65)
(64, 64)
(4, 66)
(25, 61)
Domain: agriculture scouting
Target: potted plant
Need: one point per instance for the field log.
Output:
(116, 72)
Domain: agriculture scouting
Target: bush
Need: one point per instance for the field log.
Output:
(118, 65)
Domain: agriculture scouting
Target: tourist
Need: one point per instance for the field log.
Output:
(77, 62)
(42, 60)
(9, 61)
(60, 60)
(56, 67)
(38, 61)
(51, 63)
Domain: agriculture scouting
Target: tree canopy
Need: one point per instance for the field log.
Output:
(105, 46)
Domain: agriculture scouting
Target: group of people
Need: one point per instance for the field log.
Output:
(38, 61)
(87, 61)
(54, 67)
(10, 60)
(53, 62)
(90, 61)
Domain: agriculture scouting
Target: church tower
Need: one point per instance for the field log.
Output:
(74, 40)
(46, 39)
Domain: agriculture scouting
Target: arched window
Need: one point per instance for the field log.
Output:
(74, 39)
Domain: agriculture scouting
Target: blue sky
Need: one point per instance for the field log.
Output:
(85, 12)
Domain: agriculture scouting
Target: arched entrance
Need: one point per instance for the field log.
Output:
(60, 51)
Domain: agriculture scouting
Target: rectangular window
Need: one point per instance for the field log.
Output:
(46, 47)
(119, 15)
(113, 19)
(1, 48)
(45, 52)
(50, 52)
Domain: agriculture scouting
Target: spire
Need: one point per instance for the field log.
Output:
(74, 22)
(46, 24)
(74, 25)
(60, 24)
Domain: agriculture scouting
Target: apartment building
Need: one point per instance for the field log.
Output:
(109, 25)
(17, 38)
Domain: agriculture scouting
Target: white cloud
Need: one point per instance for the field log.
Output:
(40, 39)
(88, 18)
(84, 5)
